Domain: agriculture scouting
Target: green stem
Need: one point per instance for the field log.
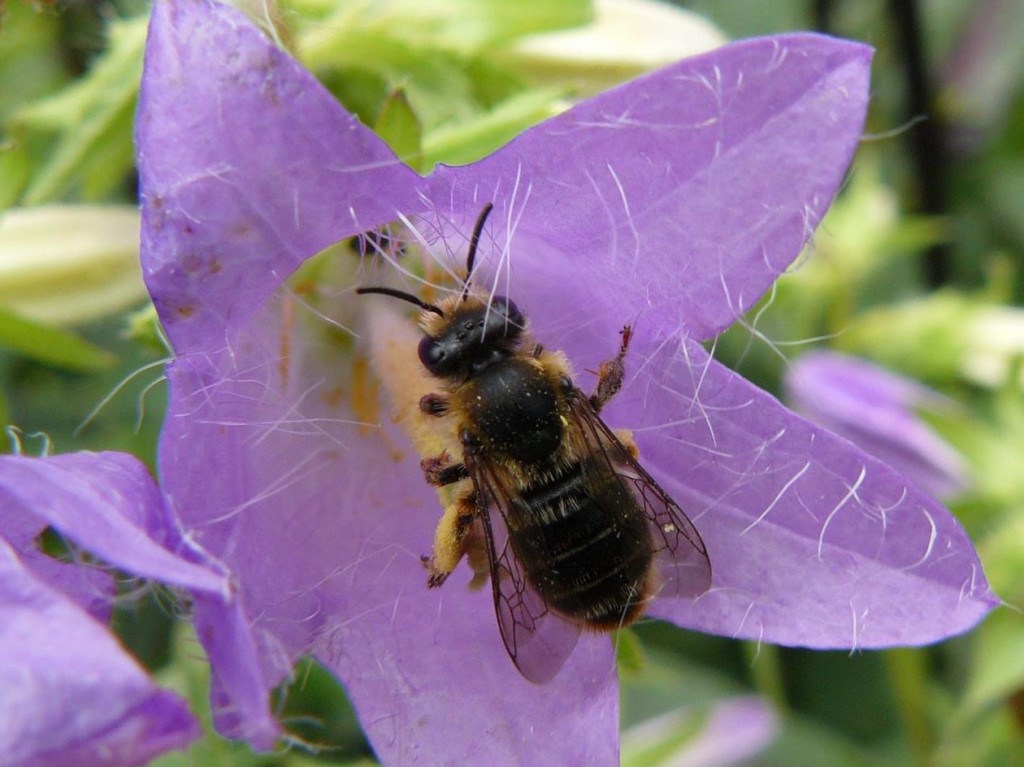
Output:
(765, 663)
(908, 678)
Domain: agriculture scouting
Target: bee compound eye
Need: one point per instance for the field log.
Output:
(431, 353)
(506, 316)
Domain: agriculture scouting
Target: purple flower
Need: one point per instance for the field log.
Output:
(877, 411)
(733, 731)
(71, 695)
(671, 203)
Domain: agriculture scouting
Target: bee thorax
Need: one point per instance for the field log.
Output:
(514, 411)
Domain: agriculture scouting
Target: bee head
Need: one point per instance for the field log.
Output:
(472, 335)
(467, 334)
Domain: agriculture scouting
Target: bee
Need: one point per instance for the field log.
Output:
(576, 534)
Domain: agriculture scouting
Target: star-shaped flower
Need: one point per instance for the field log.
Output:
(670, 203)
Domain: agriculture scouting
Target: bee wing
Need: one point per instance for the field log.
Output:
(538, 640)
(680, 555)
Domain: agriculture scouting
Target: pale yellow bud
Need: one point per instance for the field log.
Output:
(68, 264)
(625, 39)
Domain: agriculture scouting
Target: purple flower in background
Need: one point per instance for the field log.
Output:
(71, 694)
(878, 412)
(671, 203)
(732, 732)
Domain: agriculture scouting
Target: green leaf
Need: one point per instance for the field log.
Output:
(998, 661)
(398, 125)
(470, 140)
(5, 417)
(1003, 555)
(30, 62)
(53, 346)
(314, 708)
(666, 683)
(465, 26)
(629, 652)
(443, 58)
(805, 741)
(925, 338)
(15, 171)
(143, 327)
(438, 84)
(92, 119)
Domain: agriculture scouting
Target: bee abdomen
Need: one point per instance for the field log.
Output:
(585, 547)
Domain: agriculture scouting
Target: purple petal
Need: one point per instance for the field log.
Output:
(681, 195)
(248, 166)
(326, 547)
(239, 684)
(91, 589)
(71, 695)
(737, 730)
(108, 504)
(813, 542)
(275, 475)
(875, 410)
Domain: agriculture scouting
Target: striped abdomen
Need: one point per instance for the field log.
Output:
(585, 545)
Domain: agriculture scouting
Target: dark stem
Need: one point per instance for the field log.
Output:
(927, 139)
(822, 12)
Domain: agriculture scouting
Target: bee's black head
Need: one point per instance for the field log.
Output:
(475, 336)
(470, 334)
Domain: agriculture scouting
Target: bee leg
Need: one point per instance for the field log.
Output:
(440, 470)
(626, 438)
(450, 540)
(434, 404)
(611, 373)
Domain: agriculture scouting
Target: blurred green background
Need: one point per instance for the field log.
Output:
(919, 267)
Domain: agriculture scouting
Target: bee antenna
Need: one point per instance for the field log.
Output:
(474, 241)
(402, 295)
